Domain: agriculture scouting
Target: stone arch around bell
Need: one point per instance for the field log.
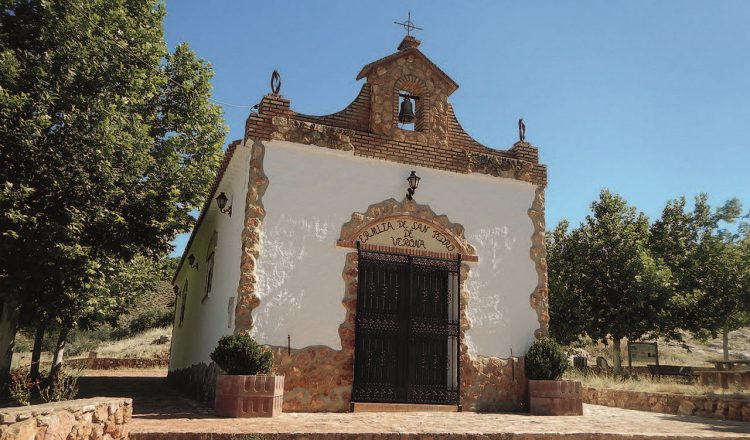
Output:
(417, 87)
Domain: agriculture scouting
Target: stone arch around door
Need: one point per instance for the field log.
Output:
(381, 225)
(452, 241)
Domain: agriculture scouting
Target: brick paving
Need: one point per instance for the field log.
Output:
(160, 413)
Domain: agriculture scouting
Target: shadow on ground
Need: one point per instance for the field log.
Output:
(711, 425)
(152, 397)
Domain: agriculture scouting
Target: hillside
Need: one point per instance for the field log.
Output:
(691, 352)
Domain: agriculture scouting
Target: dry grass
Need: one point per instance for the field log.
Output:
(24, 358)
(645, 384)
(138, 346)
(691, 352)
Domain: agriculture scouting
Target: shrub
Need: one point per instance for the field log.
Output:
(149, 319)
(152, 318)
(62, 385)
(20, 386)
(545, 360)
(240, 354)
(82, 341)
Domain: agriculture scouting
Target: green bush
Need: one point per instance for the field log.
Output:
(545, 360)
(241, 355)
(146, 320)
(150, 319)
(83, 341)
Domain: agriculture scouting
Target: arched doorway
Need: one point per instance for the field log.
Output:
(407, 338)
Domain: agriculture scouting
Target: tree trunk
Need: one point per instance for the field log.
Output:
(8, 327)
(725, 342)
(59, 349)
(617, 358)
(36, 352)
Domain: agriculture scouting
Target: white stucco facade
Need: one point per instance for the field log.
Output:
(313, 191)
(206, 319)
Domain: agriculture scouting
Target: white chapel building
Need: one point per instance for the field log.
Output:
(383, 254)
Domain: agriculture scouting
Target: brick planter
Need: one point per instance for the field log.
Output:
(249, 396)
(555, 398)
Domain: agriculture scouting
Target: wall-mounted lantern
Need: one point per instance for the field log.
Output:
(192, 262)
(413, 180)
(221, 201)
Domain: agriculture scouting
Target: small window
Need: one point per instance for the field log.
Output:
(183, 303)
(209, 275)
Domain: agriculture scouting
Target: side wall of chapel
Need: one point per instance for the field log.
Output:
(201, 319)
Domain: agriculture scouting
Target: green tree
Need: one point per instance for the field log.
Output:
(709, 264)
(567, 308)
(108, 142)
(608, 280)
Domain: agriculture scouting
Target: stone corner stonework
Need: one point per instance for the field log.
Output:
(539, 299)
(254, 213)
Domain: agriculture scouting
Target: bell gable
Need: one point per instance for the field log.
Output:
(370, 126)
(410, 73)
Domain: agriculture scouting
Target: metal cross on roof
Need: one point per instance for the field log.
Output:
(408, 25)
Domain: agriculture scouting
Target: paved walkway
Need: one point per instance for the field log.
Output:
(160, 414)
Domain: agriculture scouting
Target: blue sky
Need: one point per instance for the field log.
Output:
(650, 99)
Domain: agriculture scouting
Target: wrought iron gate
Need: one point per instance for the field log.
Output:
(407, 329)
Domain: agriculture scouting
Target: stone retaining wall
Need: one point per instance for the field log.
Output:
(682, 404)
(725, 379)
(115, 363)
(98, 418)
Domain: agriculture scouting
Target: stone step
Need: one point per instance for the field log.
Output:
(401, 407)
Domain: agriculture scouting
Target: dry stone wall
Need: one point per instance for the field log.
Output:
(681, 404)
(115, 363)
(98, 418)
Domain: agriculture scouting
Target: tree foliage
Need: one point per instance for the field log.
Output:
(710, 266)
(603, 274)
(616, 276)
(108, 142)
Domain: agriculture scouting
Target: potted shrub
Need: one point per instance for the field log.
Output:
(548, 395)
(246, 389)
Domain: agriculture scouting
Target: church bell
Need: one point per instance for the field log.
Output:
(406, 112)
